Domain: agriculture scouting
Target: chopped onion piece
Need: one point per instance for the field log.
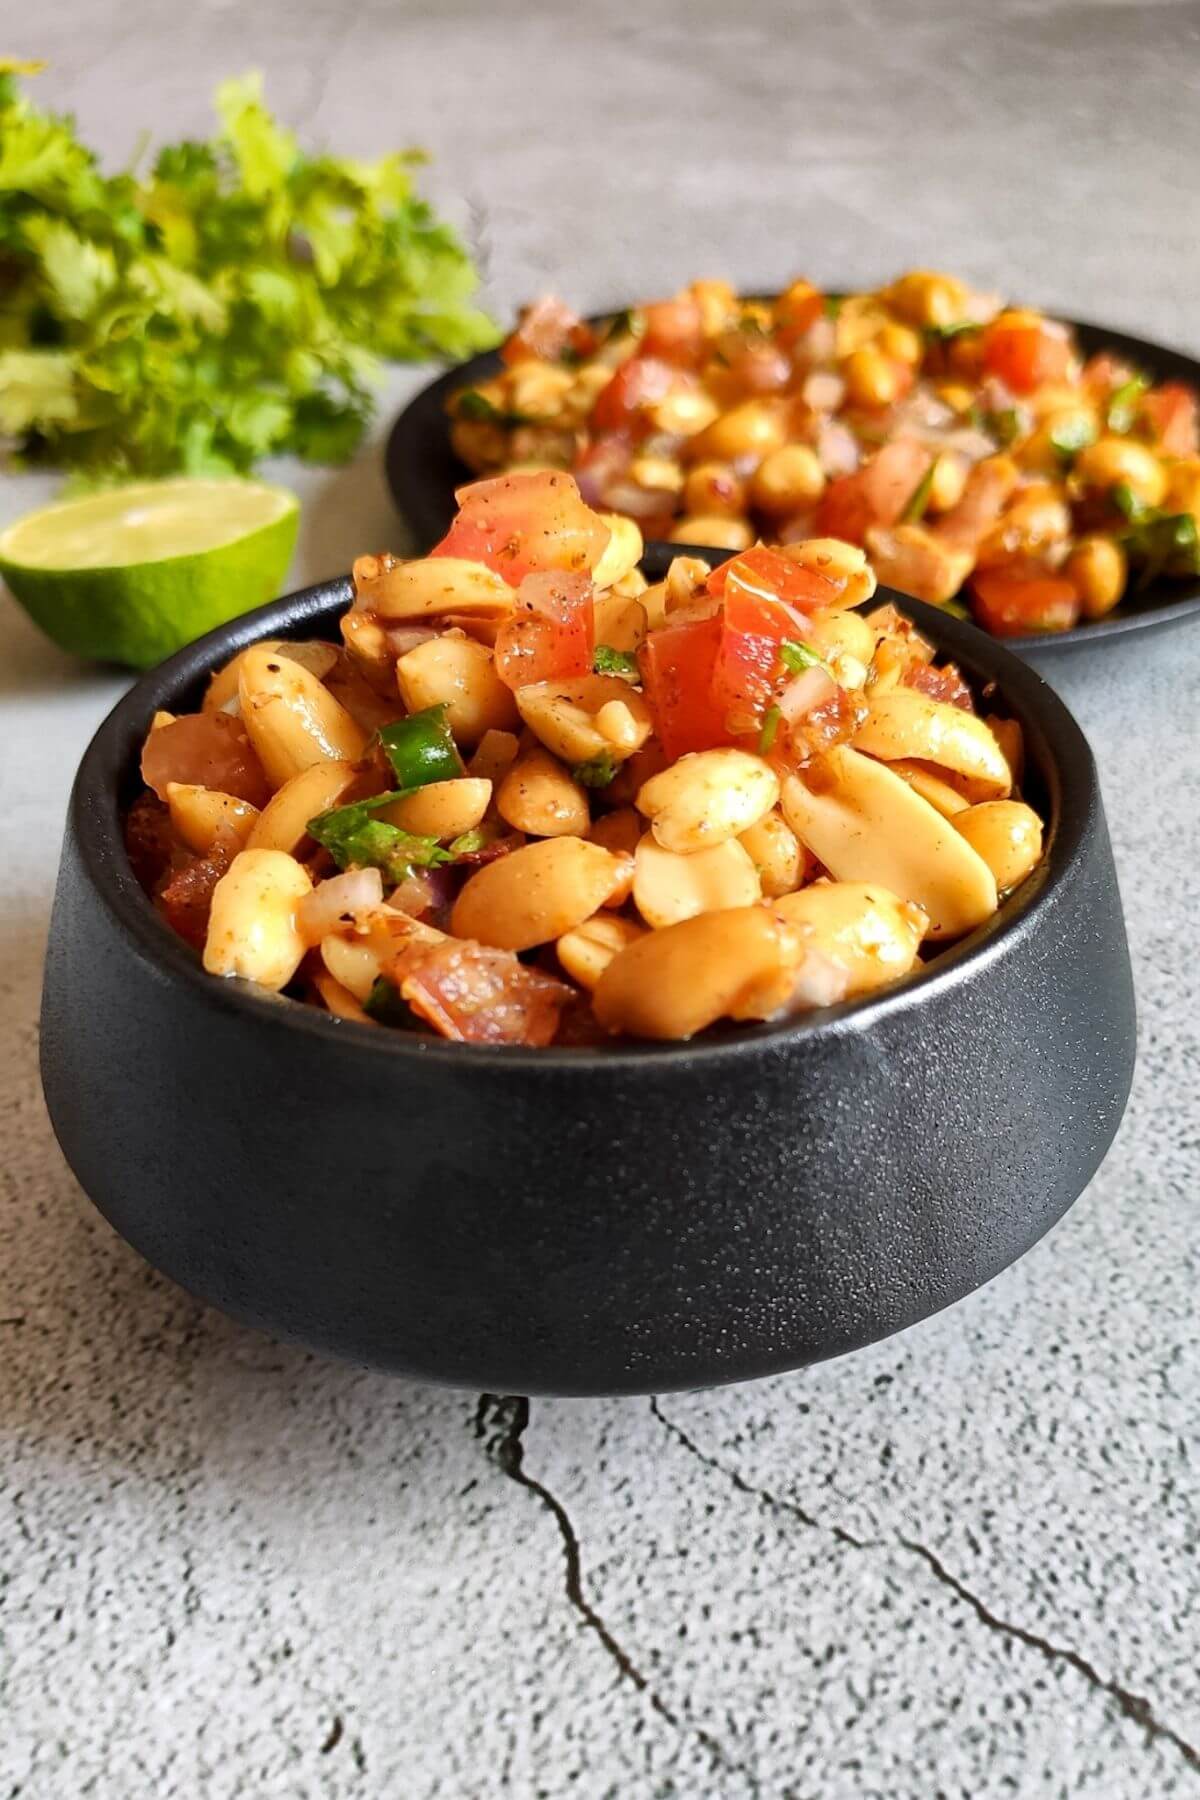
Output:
(811, 688)
(341, 900)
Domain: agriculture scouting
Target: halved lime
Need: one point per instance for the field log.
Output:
(130, 574)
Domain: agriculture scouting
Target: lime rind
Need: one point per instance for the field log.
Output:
(137, 613)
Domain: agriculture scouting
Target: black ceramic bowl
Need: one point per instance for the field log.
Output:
(574, 1221)
(424, 469)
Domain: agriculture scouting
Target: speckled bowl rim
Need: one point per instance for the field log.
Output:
(104, 785)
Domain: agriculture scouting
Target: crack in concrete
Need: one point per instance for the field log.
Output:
(1132, 1706)
(1135, 1707)
(507, 1416)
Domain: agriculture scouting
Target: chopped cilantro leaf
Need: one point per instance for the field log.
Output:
(770, 729)
(474, 405)
(1163, 544)
(832, 305)
(626, 323)
(1071, 435)
(598, 772)
(608, 661)
(1122, 403)
(918, 500)
(796, 657)
(229, 301)
(1128, 504)
(943, 334)
(354, 839)
(385, 1004)
(468, 843)
(1005, 426)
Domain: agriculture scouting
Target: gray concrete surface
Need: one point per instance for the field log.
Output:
(962, 1564)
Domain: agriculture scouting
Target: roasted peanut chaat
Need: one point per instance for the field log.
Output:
(532, 799)
(968, 446)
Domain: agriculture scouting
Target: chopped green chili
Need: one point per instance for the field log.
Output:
(421, 748)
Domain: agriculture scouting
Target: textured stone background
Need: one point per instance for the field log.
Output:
(963, 1563)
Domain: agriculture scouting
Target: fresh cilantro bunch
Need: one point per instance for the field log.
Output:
(232, 304)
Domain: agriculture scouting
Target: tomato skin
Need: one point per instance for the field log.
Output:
(768, 598)
(673, 330)
(551, 634)
(1016, 598)
(546, 329)
(876, 494)
(844, 511)
(1024, 355)
(772, 575)
(473, 994)
(1171, 412)
(677, 663)
(517, 524)
(641, 382)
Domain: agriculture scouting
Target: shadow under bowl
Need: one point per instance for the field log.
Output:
(576, 1221)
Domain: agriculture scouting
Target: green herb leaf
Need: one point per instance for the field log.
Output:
(1071, 435)
(832, 305)
(628, 322)
(471, 404)
(1122, 403)
(1005, 426)
(918, 500)
(231, 303)
(770, 729)
(385, 1004)
(608, 661)
(421, 748)
(598, 772)
(354, 839)
(468, 843)
(796, 657)
(1128, 504)
(945, 334)
(1163, 544)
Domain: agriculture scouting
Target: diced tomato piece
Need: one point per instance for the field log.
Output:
(551, 633)
(844, 511)
(876, 494)
(892, 477)
(945, 684)
(206, 749)
(1170, 411)
(677, 664)
(765, 597)
(1024, 354)
(604, 460)
(477, 995)
(548, 327)
(990, 486)
(639, 383)
(1015, 598)
(773, 575)
(518, 523)
(674, 330)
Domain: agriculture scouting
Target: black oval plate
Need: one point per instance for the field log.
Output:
(423, 472)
